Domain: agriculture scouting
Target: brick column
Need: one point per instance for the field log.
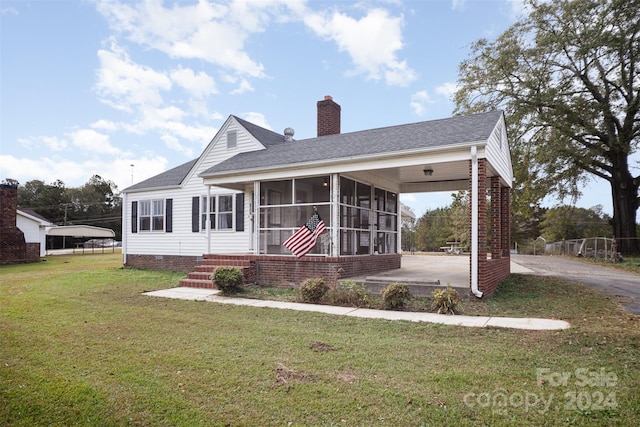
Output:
(482, 222)
(505, 201)
(483, 271)
(496, 218)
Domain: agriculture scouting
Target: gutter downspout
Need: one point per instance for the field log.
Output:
(208, 221)
(125, 228)
(474, 222)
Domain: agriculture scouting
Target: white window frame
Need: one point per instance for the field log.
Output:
(216, 214)
(150, 210)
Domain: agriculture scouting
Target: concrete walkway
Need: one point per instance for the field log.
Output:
(212, 295)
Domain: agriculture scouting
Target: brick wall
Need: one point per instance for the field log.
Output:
(13, 247)
(33, 251)
(163, 262)
(286, 271)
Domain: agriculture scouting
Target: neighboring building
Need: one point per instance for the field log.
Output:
(34, 226)
(251, 188)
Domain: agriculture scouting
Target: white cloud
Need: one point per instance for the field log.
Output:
(92, 142)
(212, 32)
(419, 102)
(76, 173)
(125, 84)
(53, 143)
(372, 42)
(198, 85)
(447, 89)
(243, 87)
(174, 143)
(518, 8)
(257, 119)
(458, 4)
(105, 125)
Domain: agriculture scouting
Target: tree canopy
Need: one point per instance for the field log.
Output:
(567, 78)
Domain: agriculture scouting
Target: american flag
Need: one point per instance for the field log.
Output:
(303, 240)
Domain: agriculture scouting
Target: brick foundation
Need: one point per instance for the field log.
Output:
(163, 262)
(273, 270)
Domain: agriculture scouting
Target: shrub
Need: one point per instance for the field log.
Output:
(395, 295)
(446, 301)
(227, 279)
(350, 294)
(312, 290)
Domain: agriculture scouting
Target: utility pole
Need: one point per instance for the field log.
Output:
(64, 238)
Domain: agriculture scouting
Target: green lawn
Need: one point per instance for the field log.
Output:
(81, 346)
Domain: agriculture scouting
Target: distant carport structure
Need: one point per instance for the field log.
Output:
(81, 231)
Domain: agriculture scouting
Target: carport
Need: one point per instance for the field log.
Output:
(81, 232)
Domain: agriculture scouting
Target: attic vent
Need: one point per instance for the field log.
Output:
(288, 134)
(232, 139)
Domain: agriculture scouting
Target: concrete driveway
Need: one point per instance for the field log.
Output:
(622, 285)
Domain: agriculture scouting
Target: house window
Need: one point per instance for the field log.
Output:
(212, 212)
(221, 212)
(225, 212)
(151, 215)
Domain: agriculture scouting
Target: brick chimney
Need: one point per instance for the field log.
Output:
(328, 117)
(13, 247)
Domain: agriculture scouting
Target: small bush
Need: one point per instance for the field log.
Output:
(312, 290)
(227, 279)
(446, 301)
(350, 294)
(395, 295)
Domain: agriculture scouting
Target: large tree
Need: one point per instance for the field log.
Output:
(567, 78)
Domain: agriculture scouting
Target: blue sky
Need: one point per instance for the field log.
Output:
(93, 87)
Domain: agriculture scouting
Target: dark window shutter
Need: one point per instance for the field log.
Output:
(134, 217)
(240, 212)
(195, 214)
(168, 209)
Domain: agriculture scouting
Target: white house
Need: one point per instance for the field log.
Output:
(34, 226)
(252, 188)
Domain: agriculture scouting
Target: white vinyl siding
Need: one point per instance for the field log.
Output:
(497, 153)
(182, 240)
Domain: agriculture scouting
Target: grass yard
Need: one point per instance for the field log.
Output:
(81, 346)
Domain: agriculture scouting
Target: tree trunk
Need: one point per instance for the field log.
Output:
(625, 205)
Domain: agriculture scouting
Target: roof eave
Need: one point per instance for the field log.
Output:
(142, 190)
(332, 162)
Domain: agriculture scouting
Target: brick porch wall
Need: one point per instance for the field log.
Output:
(286, 271)
(273, 270)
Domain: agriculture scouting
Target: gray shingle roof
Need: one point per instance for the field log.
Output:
(265, 136)
(408, 137)
(172, 177)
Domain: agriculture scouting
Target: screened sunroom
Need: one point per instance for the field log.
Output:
(361, 218)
